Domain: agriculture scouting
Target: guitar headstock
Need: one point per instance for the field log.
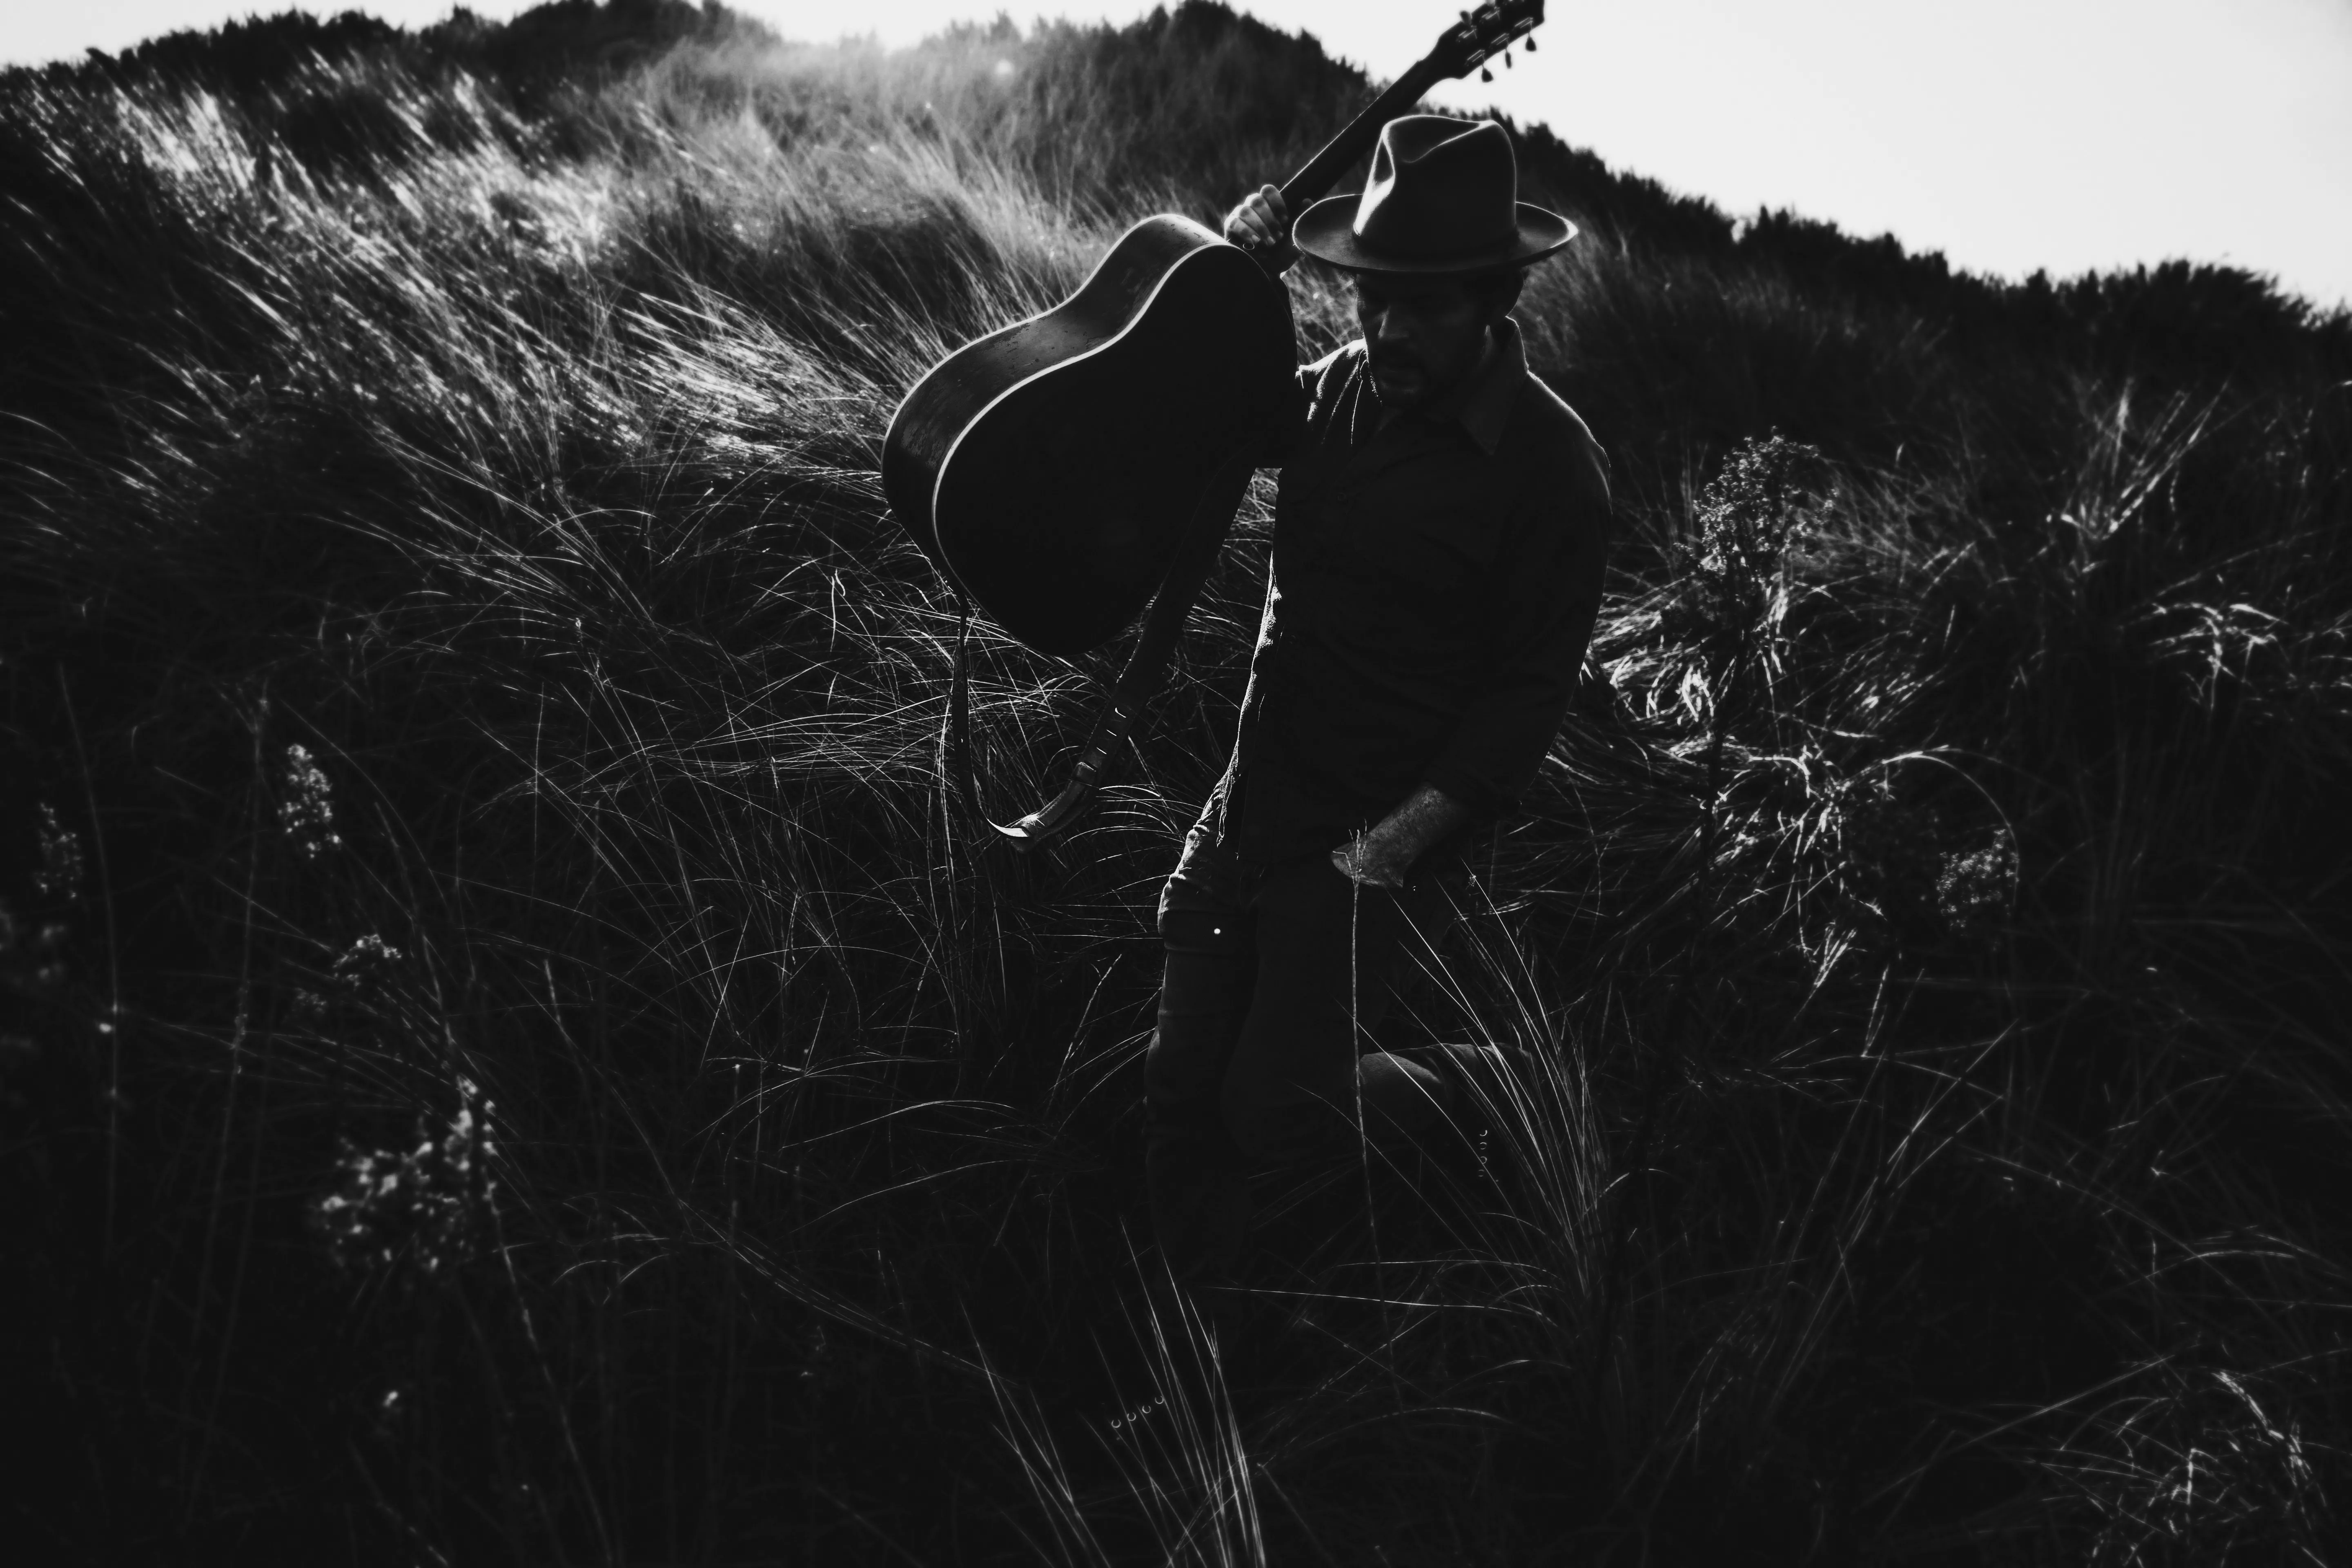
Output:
(1483, 34)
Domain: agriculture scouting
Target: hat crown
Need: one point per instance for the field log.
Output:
(1439, 186)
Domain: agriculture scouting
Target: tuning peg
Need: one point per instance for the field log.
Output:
(1506, 59)
(1486, 75)
(1531, 45)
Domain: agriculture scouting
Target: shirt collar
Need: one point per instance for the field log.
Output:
(1481, 404)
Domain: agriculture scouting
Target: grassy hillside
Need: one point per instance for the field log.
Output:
(513, 1052)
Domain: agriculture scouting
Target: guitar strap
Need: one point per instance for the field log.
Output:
(1163, 625)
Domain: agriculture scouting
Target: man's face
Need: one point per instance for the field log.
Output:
(1424, 336)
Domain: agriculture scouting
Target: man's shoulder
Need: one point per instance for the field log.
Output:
(1333, 371)
(1558, 440)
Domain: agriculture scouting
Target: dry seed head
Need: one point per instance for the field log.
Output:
(1976, 888)
(307, 811)
(425, 1206)
(1769, 494)
(61, 862)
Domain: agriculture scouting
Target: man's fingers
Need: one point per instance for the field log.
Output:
(1262, 220)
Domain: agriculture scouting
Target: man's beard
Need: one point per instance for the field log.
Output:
(1402, 384)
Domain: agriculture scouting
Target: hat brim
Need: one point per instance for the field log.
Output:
(1326, 231)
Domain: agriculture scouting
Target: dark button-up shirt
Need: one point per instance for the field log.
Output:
(1434, 583)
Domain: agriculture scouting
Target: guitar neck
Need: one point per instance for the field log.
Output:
(1323, 171)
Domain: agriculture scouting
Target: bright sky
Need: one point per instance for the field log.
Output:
(2010, 134)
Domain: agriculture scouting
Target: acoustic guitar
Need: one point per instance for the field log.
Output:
(1069, 470)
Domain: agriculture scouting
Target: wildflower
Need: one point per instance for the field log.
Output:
(1732, 592)
(1974, 889)
(367, 962)
(1769, 495)
(61, 864)
(425, 1206)
(307, 814)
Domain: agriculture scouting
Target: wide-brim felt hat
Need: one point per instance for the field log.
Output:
(1443, 197)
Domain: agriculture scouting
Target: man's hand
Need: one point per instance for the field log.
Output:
(1261, 225)
(1383, 856)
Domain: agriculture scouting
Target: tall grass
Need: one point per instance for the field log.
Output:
(520, 1055)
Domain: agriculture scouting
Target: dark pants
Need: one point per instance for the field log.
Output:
(1277, 979)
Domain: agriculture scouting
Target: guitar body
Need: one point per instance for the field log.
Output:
(1050, 468)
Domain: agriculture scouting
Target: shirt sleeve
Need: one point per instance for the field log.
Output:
(1548, 593)
(1289, 428)
(1289, 425)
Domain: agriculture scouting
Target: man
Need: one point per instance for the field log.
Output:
(1438, 545)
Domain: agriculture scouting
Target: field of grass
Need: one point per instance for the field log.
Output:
(512, 1051)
